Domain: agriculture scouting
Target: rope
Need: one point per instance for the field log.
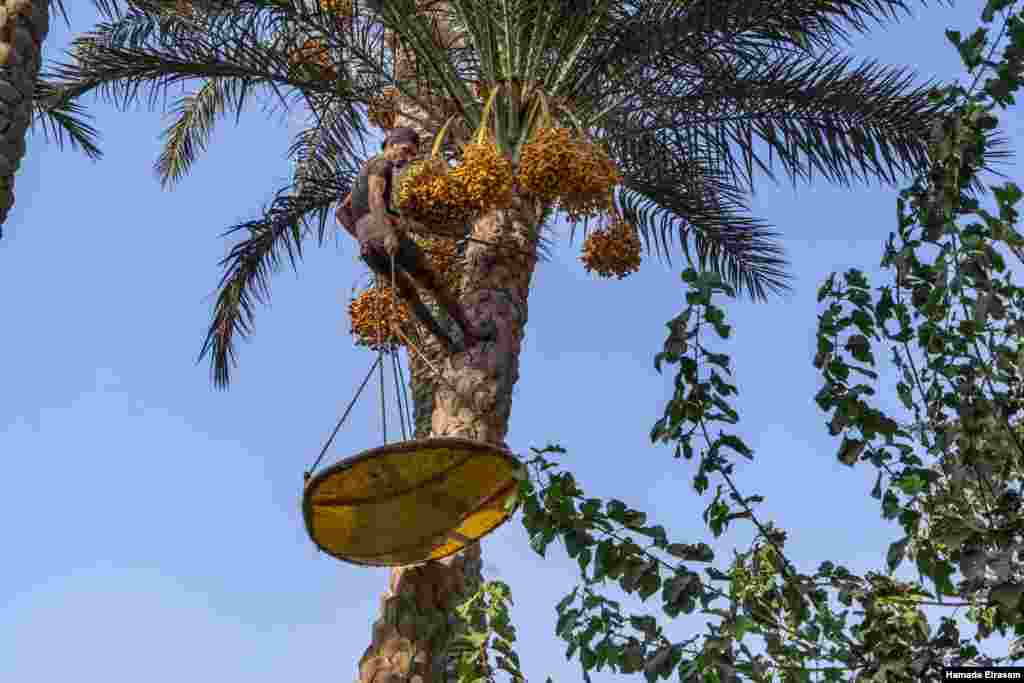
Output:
(391, 352)
(396, 366)
(308, 473)
(383, 406)
(405, 397)
(398, 393)
(408, 342)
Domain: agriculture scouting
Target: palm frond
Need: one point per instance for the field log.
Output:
(692, 98)
(58, 7)
(684, 31)
(325, 157)
(63, 120)
(147, 50)
(324, 172)
(672, 198)
(811, 115)
(187, 137)
(745, 251)
(268, 241)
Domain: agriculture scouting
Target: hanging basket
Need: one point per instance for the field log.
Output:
(410, 502)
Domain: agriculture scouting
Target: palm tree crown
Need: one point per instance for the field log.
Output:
(689, 97)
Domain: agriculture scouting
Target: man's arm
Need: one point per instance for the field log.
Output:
(378, 207)
(344, 212)
(378, 203)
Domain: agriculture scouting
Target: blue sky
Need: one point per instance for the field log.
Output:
(153, 527)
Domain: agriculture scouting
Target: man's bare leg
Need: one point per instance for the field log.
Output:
(429, 281)
(407, 291)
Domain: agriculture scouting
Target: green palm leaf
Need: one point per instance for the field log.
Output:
(299, 211)
(189, 134)
(693, 100)
(266, 243)
(63, 120)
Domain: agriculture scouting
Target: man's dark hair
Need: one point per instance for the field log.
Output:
(402, 135)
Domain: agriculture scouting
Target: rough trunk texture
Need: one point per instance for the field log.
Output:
(409, 639)
(416, 622)
(24, 25)
(428, 354)
(473, 400)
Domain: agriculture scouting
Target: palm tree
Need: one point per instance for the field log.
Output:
(25, 98)
(688, 97)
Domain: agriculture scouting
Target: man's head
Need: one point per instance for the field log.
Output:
(401, 144)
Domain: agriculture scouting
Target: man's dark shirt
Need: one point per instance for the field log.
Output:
(378, 166)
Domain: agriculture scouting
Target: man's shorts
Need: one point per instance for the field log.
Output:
(408, 256)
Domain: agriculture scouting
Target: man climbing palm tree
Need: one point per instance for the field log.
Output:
(368, 216)
(689, 99)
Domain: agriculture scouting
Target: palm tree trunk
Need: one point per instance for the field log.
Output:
(23, 28)
(467, 394)
(472, 399)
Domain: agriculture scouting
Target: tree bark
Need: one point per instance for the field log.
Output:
(468, 395)
(24, 25)
(473, 399)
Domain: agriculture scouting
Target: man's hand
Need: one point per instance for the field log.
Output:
(391, 242)
(378, 202)
(344, 214)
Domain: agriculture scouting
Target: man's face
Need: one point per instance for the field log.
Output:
(403, 153)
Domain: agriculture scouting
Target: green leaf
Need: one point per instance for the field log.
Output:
(584, 559)
(910, 484)
(656, 532)
(700, 552)
(567, 622)
(615, 509)
(860, 348)
(649, 584)
(1007, 594)
(876, 490)
(897, 552)
(572, 544)
(540, 541)
(993, 6)
(633, 519)
(567, 600)
(587, 658)
(742, 626)
(736, 443)
(850, 451)
(890, 505)
(826, 289)
(903, 391)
